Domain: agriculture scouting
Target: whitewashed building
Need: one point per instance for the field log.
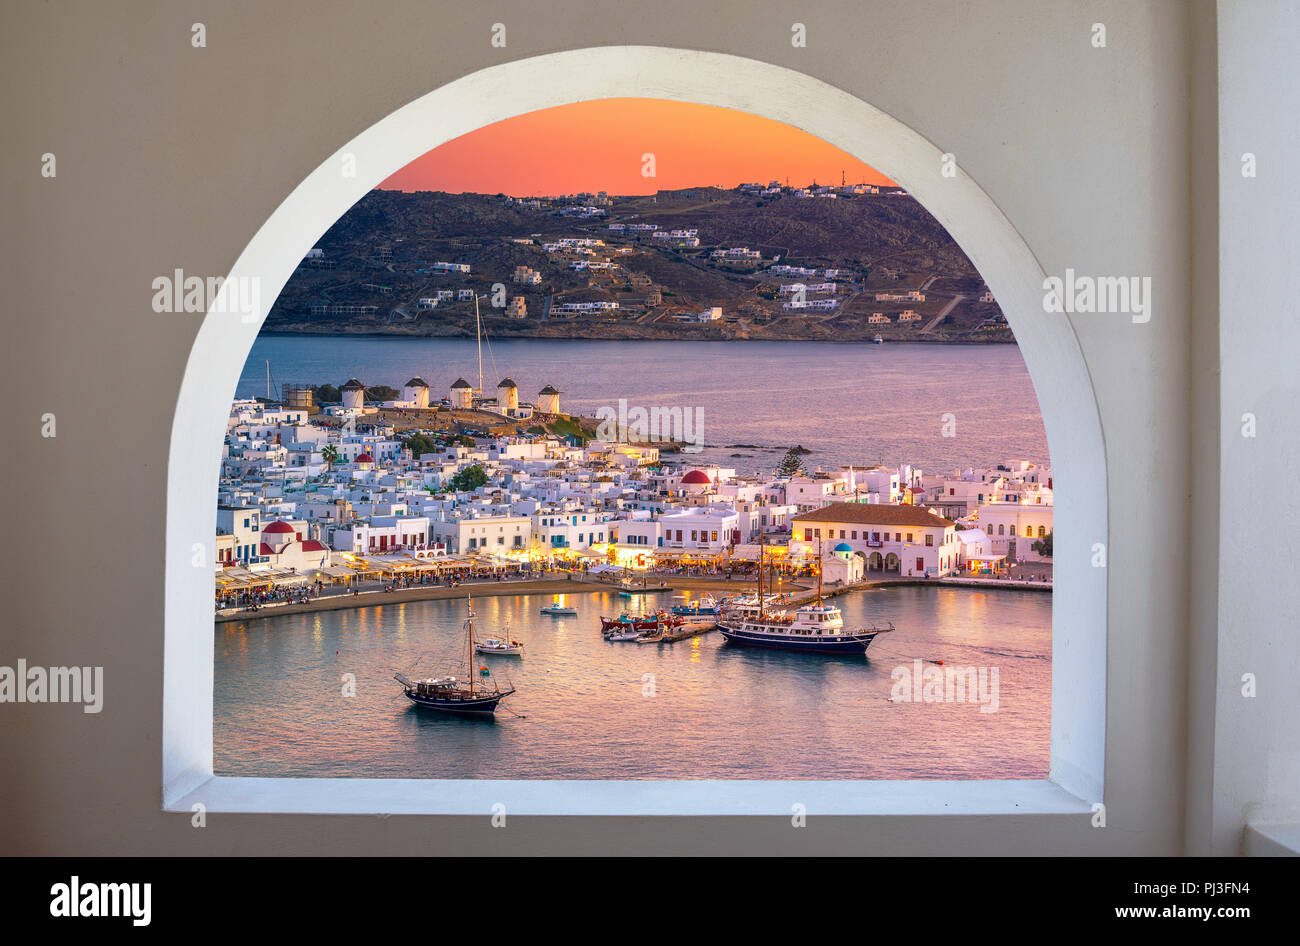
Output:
(1014, 527)
(487, 535)
(380, 534)
(710, 528)
(909, 540)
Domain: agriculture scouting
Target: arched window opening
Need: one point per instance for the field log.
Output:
(901, 149)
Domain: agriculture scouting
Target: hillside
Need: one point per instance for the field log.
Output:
(371, 270)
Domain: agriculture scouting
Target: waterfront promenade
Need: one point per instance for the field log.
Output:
(376, 596)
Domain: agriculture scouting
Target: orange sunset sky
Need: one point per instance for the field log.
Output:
(598, 146)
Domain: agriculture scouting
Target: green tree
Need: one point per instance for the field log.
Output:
(1043, 546)
(420, 444)
(791, 464)
(330, 454)
(469, 479)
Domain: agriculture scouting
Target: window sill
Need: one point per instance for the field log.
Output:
(626, 798)
(1271, 840)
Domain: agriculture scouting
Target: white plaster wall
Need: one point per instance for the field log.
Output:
(1256, 760)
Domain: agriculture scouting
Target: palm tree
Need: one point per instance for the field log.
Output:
(330, 454)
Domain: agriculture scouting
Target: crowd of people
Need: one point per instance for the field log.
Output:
(252, 600)
(255, 599)
(403, 582)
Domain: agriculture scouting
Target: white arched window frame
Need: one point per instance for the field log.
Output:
(1047, 341)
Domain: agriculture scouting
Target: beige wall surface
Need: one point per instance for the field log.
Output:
(1256, 755)
(170, 156)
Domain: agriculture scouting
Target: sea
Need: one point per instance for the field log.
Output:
(937, 407)
(586, 708)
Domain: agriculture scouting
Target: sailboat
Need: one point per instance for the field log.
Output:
(478, 332)
(450, 695)
(816, 628)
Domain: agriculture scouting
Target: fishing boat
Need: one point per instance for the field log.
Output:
(638, 622)
(559, 609)
(502, 646)
(878, 340)
(632, 627)
(702, 607)
(450, 695)
(814, 628)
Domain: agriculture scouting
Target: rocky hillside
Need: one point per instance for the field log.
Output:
(374, 267)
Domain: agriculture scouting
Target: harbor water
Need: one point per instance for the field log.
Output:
(696, 709)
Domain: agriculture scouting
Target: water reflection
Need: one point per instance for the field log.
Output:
(719, 711)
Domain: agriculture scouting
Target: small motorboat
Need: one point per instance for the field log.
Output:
(704, 607)
(878, 340)
(560, 609)
(506, 645)
(503, 646)
(624, 634)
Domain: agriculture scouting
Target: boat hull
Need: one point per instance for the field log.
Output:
(477, 706)
(839, 644)
(617, 624)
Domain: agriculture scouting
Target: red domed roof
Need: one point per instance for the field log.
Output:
(696, 478)
(365, 458)
(279, 527)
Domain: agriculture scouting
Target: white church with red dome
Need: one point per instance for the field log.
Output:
(283, 546)
(695, 482)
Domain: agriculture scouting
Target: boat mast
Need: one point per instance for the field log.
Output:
(469, 637)
(761, 542)
(819, 571)
(478, 331)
